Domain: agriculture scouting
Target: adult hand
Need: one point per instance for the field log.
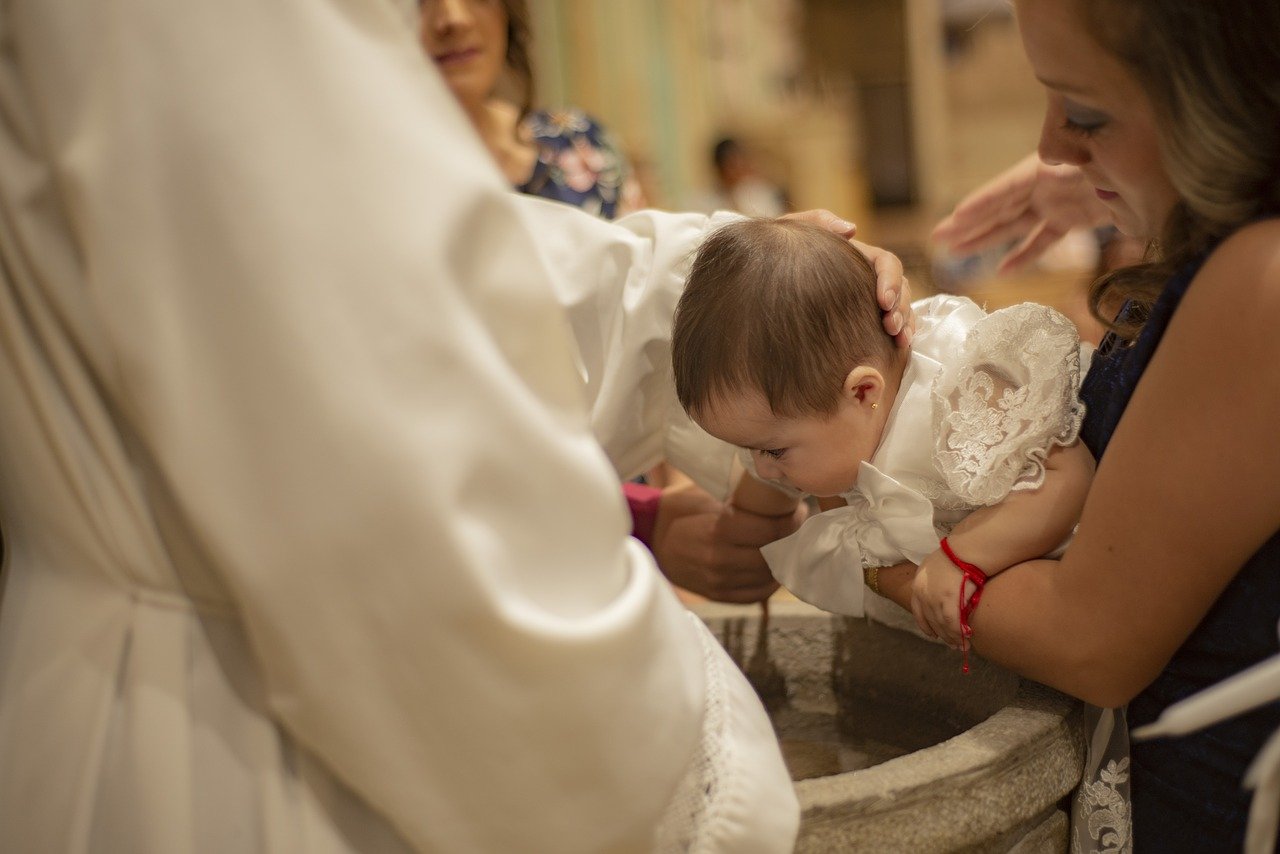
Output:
(892, 289)
(1031, 202)
(713, 549)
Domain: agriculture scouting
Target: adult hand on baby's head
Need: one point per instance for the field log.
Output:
(892, 289)
(893, 292)
(713, 548)
(1031, 202)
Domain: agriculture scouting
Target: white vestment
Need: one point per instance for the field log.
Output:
(310, 545)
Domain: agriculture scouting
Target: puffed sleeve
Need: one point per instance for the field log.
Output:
(1005, 400)
(333, 345)
(942, 323)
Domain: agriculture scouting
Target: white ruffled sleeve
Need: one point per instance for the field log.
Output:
(619, 283)
(1006, 400)
(942, 323)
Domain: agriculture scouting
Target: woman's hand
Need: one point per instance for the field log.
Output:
(1031, 202)
(893, 292)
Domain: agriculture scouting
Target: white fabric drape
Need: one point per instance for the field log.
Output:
(310, 544)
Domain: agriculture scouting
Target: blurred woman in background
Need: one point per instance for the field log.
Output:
(482, 48)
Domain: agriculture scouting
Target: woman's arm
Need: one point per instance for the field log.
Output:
(1188, 490)
(1025, 525)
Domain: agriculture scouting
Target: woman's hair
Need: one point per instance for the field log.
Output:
(1212, 72)
(519, 46)
(780, 307)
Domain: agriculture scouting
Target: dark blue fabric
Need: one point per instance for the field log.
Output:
(1187, 793)
(578, 164)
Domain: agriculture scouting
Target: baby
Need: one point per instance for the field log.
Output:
(960, 455)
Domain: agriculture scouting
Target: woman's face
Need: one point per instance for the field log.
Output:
(467, 40)
(1098, 117)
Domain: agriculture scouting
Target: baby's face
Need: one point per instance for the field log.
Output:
(814, 454)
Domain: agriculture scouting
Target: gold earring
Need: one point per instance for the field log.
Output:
(875, 406)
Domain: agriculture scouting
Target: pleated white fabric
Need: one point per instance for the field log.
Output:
(310, 544)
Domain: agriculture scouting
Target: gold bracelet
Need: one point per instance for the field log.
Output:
(871, 577)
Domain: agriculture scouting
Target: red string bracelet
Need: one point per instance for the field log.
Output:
(967, 604)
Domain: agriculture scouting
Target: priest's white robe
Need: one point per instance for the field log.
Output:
(311, 545)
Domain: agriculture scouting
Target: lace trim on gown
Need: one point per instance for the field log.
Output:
(1007, 401)
(1102, 810)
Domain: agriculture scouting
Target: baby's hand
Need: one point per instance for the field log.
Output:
(935, 598)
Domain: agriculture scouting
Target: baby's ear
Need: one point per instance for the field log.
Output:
(865, 385)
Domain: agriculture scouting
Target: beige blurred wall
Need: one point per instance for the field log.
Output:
(995, 103)
(837, 95)
(668, 77)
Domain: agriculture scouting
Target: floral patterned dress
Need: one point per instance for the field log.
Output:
(578, 163)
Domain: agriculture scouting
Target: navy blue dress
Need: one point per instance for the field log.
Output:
(1187, 793)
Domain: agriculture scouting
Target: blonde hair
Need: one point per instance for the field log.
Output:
(777, 306)
(1210, 69)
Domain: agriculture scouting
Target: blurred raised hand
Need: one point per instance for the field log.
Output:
(1032, 203)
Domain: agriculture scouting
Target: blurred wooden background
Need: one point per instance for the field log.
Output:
(885, 111)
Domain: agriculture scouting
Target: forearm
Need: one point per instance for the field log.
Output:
(893, 582)
(1031, 523)
(1031, 622)
(1034, 621)
(1028, 623)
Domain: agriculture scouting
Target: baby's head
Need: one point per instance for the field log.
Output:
(778, 347)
